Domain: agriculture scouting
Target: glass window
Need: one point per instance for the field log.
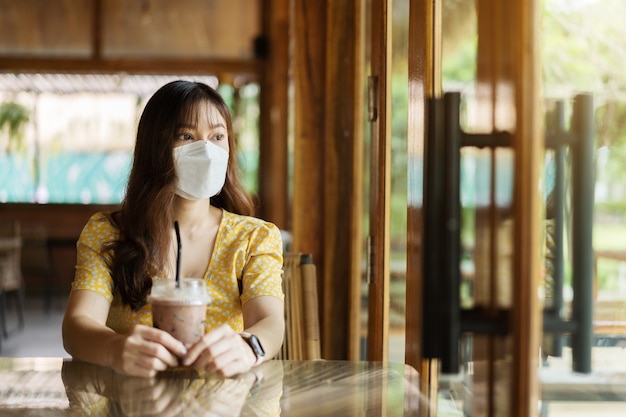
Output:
(581, 52)
(69, 138)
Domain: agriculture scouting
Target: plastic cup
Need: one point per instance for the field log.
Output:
(180, 311)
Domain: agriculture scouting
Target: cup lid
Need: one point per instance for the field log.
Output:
(190, 291)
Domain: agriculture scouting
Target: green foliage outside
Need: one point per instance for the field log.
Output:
(582, 50)
(244, 105)
(56, 173)
(13, 117)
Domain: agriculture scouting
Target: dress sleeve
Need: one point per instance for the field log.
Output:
(262, 274)
(92, 272)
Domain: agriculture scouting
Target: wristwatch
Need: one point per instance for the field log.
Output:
(255, 345)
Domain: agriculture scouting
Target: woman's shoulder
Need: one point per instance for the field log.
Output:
(100, 219)
(240, 226)
(245, 222)
(99, 225)
(249, 237)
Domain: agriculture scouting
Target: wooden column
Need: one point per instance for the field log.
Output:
(327, 196)
(343, 168)
(275, 83)
(424, 82)
(379, 87)
(527, 267)
(308, 168)
(508, 99)
(425, 43)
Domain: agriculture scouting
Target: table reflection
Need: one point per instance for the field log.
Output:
(57, 387)
(96, 391)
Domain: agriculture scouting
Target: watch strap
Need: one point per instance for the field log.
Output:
(255, 345)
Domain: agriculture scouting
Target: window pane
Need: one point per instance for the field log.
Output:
(69, 138)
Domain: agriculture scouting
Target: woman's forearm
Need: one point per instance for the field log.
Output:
(270, 332)
(89, 341)
(265, 318)
(85, 334)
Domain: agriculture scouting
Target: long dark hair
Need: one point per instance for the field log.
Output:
(145, 217)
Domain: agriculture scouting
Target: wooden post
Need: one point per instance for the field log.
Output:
(275, 82)
(425, 34)
(327, 196)
(379, 105)
(508, 86)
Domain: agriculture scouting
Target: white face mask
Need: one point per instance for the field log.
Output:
(201, 169)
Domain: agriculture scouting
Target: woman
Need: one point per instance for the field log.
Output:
(184, 170)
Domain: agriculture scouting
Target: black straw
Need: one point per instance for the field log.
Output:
(178, 253)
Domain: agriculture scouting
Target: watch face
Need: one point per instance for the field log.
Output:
(256, 345)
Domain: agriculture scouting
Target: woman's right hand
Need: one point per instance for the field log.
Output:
(141, 352)
(146, 350)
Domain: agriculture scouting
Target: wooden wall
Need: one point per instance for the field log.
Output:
(63, 224)
(223, 29)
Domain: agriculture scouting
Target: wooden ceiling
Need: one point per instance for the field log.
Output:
(128, 35)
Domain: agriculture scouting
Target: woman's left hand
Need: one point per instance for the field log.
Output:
(223, 351)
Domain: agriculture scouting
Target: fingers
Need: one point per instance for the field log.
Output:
(209, 341)
(212, 344)
(165, 339)
(147, 350)
(221, 350)
(156, 343)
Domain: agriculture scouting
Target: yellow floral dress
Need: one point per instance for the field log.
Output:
(246, 249)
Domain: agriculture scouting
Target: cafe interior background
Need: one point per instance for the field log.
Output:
(339, 111)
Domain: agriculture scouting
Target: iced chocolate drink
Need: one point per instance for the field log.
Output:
(180, 311)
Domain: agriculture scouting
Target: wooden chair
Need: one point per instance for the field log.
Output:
(302, 335)
(11, 282)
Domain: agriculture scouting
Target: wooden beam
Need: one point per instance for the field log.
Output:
(130, 65)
